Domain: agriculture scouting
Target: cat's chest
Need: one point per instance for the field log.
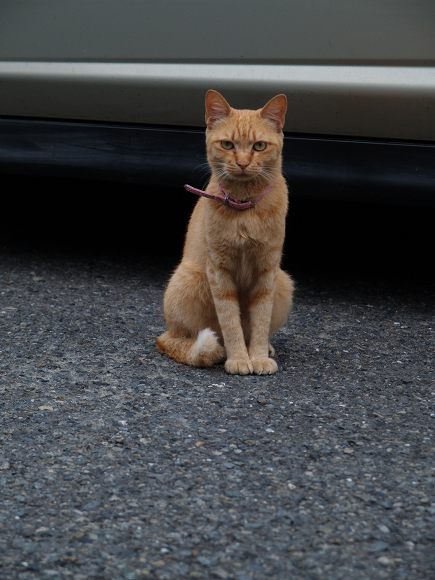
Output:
(243, 237)
(244, 234)
(243, 240)
(241, 245)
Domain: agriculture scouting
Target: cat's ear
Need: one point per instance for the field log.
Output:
(216, 107)
(275, 110)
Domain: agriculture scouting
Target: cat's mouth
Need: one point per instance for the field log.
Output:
(230, 173)
(242, 175)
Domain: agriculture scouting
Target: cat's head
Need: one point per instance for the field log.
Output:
(244, 145)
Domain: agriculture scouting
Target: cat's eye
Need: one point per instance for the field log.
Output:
(227, 145)
(260, 146)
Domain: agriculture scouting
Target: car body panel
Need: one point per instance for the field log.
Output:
(362, 68)
(389, 102)
(156, 157)
(394, 32)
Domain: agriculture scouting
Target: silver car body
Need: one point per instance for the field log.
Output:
(362, 68)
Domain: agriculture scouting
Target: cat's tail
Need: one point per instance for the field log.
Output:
(202, 351)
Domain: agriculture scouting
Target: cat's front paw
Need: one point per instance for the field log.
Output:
(239, 366)
(264, 366)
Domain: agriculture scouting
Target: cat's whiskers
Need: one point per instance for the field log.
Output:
(204, 170)
(220, 170)
(205, 164)
(267, 174)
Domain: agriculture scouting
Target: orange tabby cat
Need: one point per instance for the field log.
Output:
(229, 294)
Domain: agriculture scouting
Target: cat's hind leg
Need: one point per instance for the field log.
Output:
(193, 332)
(282, 302)
(203, 350)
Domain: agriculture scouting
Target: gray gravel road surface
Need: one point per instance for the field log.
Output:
(115, 462)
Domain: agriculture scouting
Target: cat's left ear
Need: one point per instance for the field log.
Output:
(275, 110)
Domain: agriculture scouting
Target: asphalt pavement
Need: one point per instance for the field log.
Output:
(115, 462)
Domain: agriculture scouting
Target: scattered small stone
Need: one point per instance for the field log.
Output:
(385, 561)
(378, 546)
(27, 531)
(46, 408)
(387, 504)
(204, 561)
(220, 573)
(158, 563)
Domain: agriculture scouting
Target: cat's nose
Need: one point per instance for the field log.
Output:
(242, 164)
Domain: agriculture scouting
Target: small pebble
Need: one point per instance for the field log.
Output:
(378, 546)
(220, 573)
(385, 561)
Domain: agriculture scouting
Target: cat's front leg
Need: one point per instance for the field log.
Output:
(260, 314)
(226, 302)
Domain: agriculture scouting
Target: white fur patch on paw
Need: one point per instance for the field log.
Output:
(206, 342)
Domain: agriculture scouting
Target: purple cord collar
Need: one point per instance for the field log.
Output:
(227, 200)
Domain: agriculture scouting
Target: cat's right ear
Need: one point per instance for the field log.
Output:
(275, 110)
(216, 108)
